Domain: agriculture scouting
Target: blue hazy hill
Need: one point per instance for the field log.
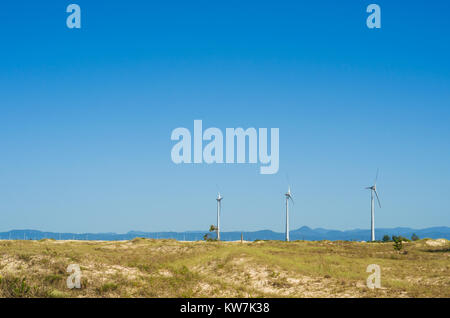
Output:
(303, 233)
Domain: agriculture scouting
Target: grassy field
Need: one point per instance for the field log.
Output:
(168, 268)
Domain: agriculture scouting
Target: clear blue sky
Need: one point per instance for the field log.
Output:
(86, 115)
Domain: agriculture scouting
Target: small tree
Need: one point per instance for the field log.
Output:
(398, 244)
(386, 238)
(207, 236)
(414, 237)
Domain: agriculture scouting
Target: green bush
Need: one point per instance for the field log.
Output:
(400, 238)
(107, 287)
(15, 287)
(398, 243)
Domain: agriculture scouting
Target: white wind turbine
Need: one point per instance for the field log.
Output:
(288, 197)
(219, 204)
(373, 189)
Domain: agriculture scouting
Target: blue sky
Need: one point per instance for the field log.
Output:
(86, 115)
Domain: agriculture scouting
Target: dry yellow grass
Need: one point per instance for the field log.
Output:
(167, 268)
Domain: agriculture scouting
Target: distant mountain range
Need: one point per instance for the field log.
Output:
(303, 233)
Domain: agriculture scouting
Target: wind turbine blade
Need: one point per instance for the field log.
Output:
(376, 177)
(218, 189)
(288, 183)
(292, 199)
(378, 199)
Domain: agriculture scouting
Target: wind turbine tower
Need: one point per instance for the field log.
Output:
(219, 204)
(288, 197)
(373, 190)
